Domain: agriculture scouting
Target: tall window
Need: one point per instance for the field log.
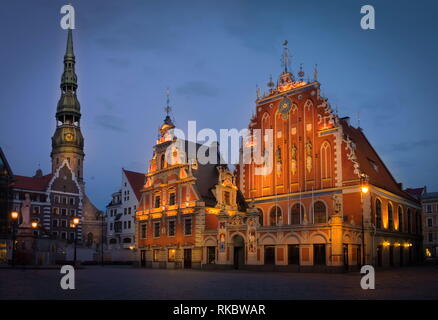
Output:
(378, 214)
(187, 226)
(171, 253)
(409, 224)
(417, 223)
(274, 216)
(156, 229)
(163, 161)
(325, 161)
(227, 198)
(296, 212)
(172, 198)
(319, 212)
(400, 219)
(171, 228)
(157, 201)
(390, 217)
(260, 216)
(143, 231)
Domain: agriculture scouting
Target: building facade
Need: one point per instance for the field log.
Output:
(6, 179)
(321, 198)
(429, 201)
(120, 211)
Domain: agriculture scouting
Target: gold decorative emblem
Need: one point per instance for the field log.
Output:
(69, 137)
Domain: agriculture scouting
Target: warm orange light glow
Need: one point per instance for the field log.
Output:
(76, 221)
(365, 189)
(396, 244)
(14, 215)
(34, 224)
(386, 243)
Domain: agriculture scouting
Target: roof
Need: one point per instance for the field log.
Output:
(136, 180)
(430, 195)
(369, 160)
(4, 165)
(32, 183)
(415, 192)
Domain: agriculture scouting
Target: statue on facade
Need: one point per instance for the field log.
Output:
(25, 212)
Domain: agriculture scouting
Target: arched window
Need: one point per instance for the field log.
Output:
(163, 161)
(378, 214)
(390, 217)
(260, 216)
(274, 216)
(409, 224)
(400, 219)
(326, 164)
(319, 212)
(297, 211)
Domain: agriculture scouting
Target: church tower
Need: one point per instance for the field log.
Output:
(67, 141)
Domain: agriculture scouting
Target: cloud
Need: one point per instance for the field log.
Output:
(110, 122)
(411, 145)
(197, 88)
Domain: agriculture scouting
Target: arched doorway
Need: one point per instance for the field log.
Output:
(238, 251)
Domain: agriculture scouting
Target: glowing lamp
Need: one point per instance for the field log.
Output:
(34, 224)
(365, 189)
(386, 243)
(75, 221)
(14, 215)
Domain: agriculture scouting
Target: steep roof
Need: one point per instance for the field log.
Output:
(32, 183)
(371, 164)
(136, 180)
(415, 192)
(430, 195)
(4, 165)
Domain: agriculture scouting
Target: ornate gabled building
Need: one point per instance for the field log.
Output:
(328, 201)
(184, 207)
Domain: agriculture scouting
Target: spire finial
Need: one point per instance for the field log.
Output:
(315, 73)
(271, 83)
(301, 72)
(168, 108)
(285, 56)
(69, 50)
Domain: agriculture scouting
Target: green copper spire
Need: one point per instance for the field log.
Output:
(69, 51)
(68, 101)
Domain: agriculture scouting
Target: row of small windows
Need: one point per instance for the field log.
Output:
(115, 225)
(430, 208)
(64, 211)
(172, 200)
(126, 211)
(401, 227)
(171, 228)
(64, 200)
(297, 214)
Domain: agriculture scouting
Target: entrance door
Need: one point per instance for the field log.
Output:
(211, 255)
(269, 255)
(293, 254)
(346, 256)
(238, 251)
(187, 258)
(319, 254)
(143, 258)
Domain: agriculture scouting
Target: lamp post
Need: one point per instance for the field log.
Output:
(14, 216)
(74, 225)
(34, 225)
(364, 188)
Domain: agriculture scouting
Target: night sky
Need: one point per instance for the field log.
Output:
(211, 55)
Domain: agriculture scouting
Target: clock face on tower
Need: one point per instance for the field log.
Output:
(68, 137)
(284, 106)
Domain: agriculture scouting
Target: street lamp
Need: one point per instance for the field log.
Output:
(74, 225)
(14, 216)
(34, 225)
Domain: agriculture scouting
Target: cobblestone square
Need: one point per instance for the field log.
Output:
(134, 283)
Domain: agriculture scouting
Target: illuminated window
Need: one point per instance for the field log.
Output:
(171, 253)
(274, 216)
(378, 214)
(157, 201)
(390, 217)
(296, 212)
(319, 212)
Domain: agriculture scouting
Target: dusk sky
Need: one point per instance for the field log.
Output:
(211, 55)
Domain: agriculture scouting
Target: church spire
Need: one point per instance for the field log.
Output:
(67, 141)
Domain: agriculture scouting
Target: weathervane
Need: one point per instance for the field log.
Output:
(168, 108)
(285, 56)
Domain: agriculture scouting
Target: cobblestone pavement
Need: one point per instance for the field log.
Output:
(135, 283)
